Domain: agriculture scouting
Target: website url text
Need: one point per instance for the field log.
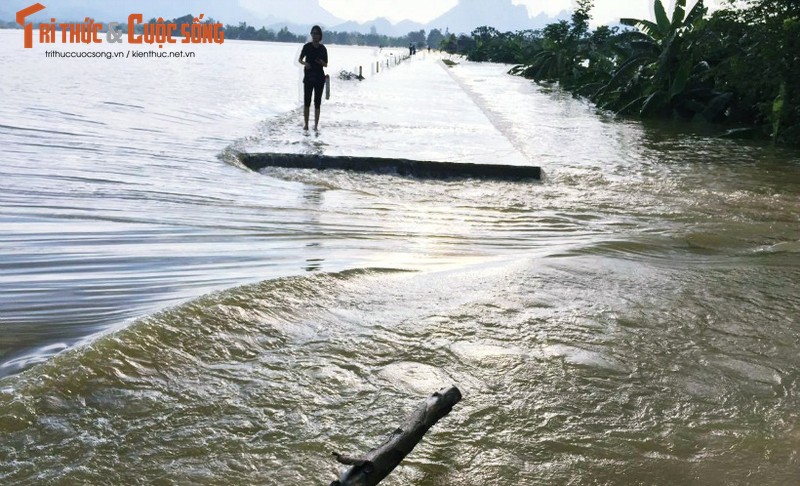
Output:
(120, 54)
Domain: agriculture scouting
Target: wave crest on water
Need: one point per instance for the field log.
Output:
(174, 373)
(221, 325)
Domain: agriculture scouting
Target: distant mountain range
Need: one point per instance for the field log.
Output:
(293, 14)
(463, 18)
(500, 14)
(380, 25)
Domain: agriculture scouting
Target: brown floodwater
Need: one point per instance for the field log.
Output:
(169, 317)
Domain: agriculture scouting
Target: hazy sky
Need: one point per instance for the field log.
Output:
(256, 12)
(604, 11)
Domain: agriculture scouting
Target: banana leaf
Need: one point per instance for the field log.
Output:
(661, 17)
(678, 14)
(695, 14)
(648, 46)
(777, 111)
(669, 48)
(717, 106)
(701, 67)
(654, 102)
(693, 106)
(620, 72)
(647, 27)
(630, 105)
(679, 81)
(633, 35)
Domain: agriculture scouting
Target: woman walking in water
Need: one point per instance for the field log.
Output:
(313, 57)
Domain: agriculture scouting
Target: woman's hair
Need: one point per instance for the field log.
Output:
(316, 28)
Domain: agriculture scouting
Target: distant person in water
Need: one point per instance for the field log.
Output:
(313, 57)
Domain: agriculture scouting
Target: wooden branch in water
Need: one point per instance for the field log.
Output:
(376, 464)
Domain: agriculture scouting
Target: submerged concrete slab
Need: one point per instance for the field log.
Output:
(404, 167)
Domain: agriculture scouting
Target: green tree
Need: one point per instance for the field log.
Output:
(770, 75)
(552, 61)
(562, 53)
(265, 35)
(486, 42)
(449, 44)
(435, 38)
(417, 38)
(285, 36)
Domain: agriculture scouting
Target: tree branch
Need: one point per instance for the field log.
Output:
(376, 464)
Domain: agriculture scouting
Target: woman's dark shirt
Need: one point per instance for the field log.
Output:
(310, 54)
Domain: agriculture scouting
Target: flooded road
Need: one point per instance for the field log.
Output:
(169, 316)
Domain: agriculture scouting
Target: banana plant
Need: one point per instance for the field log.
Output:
(554, 55)
(655, 70)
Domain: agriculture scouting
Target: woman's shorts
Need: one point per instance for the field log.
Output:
(317, 89)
